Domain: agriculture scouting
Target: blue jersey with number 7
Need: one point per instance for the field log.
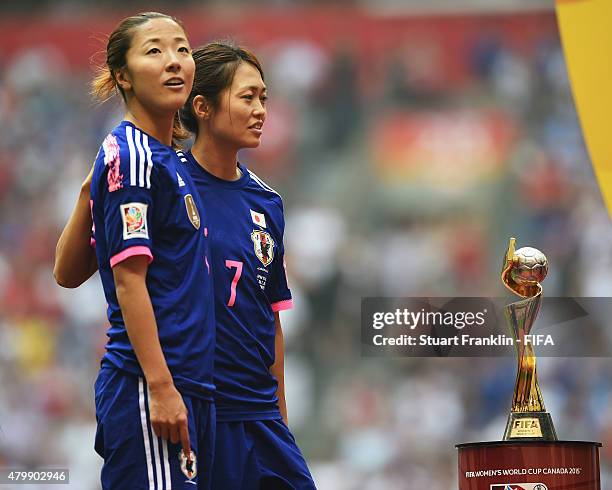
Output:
(245, 228)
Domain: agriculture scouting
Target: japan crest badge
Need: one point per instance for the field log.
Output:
(264, 246)
(188, 466)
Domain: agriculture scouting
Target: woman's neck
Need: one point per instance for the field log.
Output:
(160, 127)
(215, 158)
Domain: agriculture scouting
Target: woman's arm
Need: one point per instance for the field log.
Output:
(278, 368)
(75, 259)
(167, 409)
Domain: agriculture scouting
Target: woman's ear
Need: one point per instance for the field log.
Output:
(123, 80)
(201, 107)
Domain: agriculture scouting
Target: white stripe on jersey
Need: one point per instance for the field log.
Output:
(130, 141)
(262, 183)
(156, 458)
(141, 159)
(138, 142)
(145, 142)
(181, 155)
(166, 465)
(145, 426)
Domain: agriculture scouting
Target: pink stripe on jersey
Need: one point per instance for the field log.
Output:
(112, 160)
(130, 252)
(286, 304)
(93, 226)
(92, 242)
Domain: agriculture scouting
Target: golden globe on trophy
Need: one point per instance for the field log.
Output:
(522, 273)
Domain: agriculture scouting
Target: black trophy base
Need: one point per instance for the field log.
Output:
(530, 426)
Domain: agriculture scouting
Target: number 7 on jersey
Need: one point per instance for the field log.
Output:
(238, 265)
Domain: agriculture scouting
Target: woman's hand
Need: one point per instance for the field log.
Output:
(169, 415)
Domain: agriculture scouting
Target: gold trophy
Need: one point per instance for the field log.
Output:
(522, 272)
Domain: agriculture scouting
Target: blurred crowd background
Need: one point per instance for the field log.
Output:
(407, 146)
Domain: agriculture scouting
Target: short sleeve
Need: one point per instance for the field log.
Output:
(278, 292)
(127, 191)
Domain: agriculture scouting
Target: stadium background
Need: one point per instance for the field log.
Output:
(408, 144)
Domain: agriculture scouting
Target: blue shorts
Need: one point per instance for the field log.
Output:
(258, 455)
(134, 458)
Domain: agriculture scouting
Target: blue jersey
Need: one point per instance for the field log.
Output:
(246, 226)
(145, 203)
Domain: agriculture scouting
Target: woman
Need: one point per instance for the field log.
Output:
(226, 110)
(155, 387)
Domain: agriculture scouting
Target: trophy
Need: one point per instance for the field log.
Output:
(530, 449)
(522, 272)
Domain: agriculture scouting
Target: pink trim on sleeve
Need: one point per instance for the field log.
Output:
(92, 240)
(286, 304)
(130, 252)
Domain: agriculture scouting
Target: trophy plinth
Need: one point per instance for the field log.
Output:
(527, 465)
(522, 272)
